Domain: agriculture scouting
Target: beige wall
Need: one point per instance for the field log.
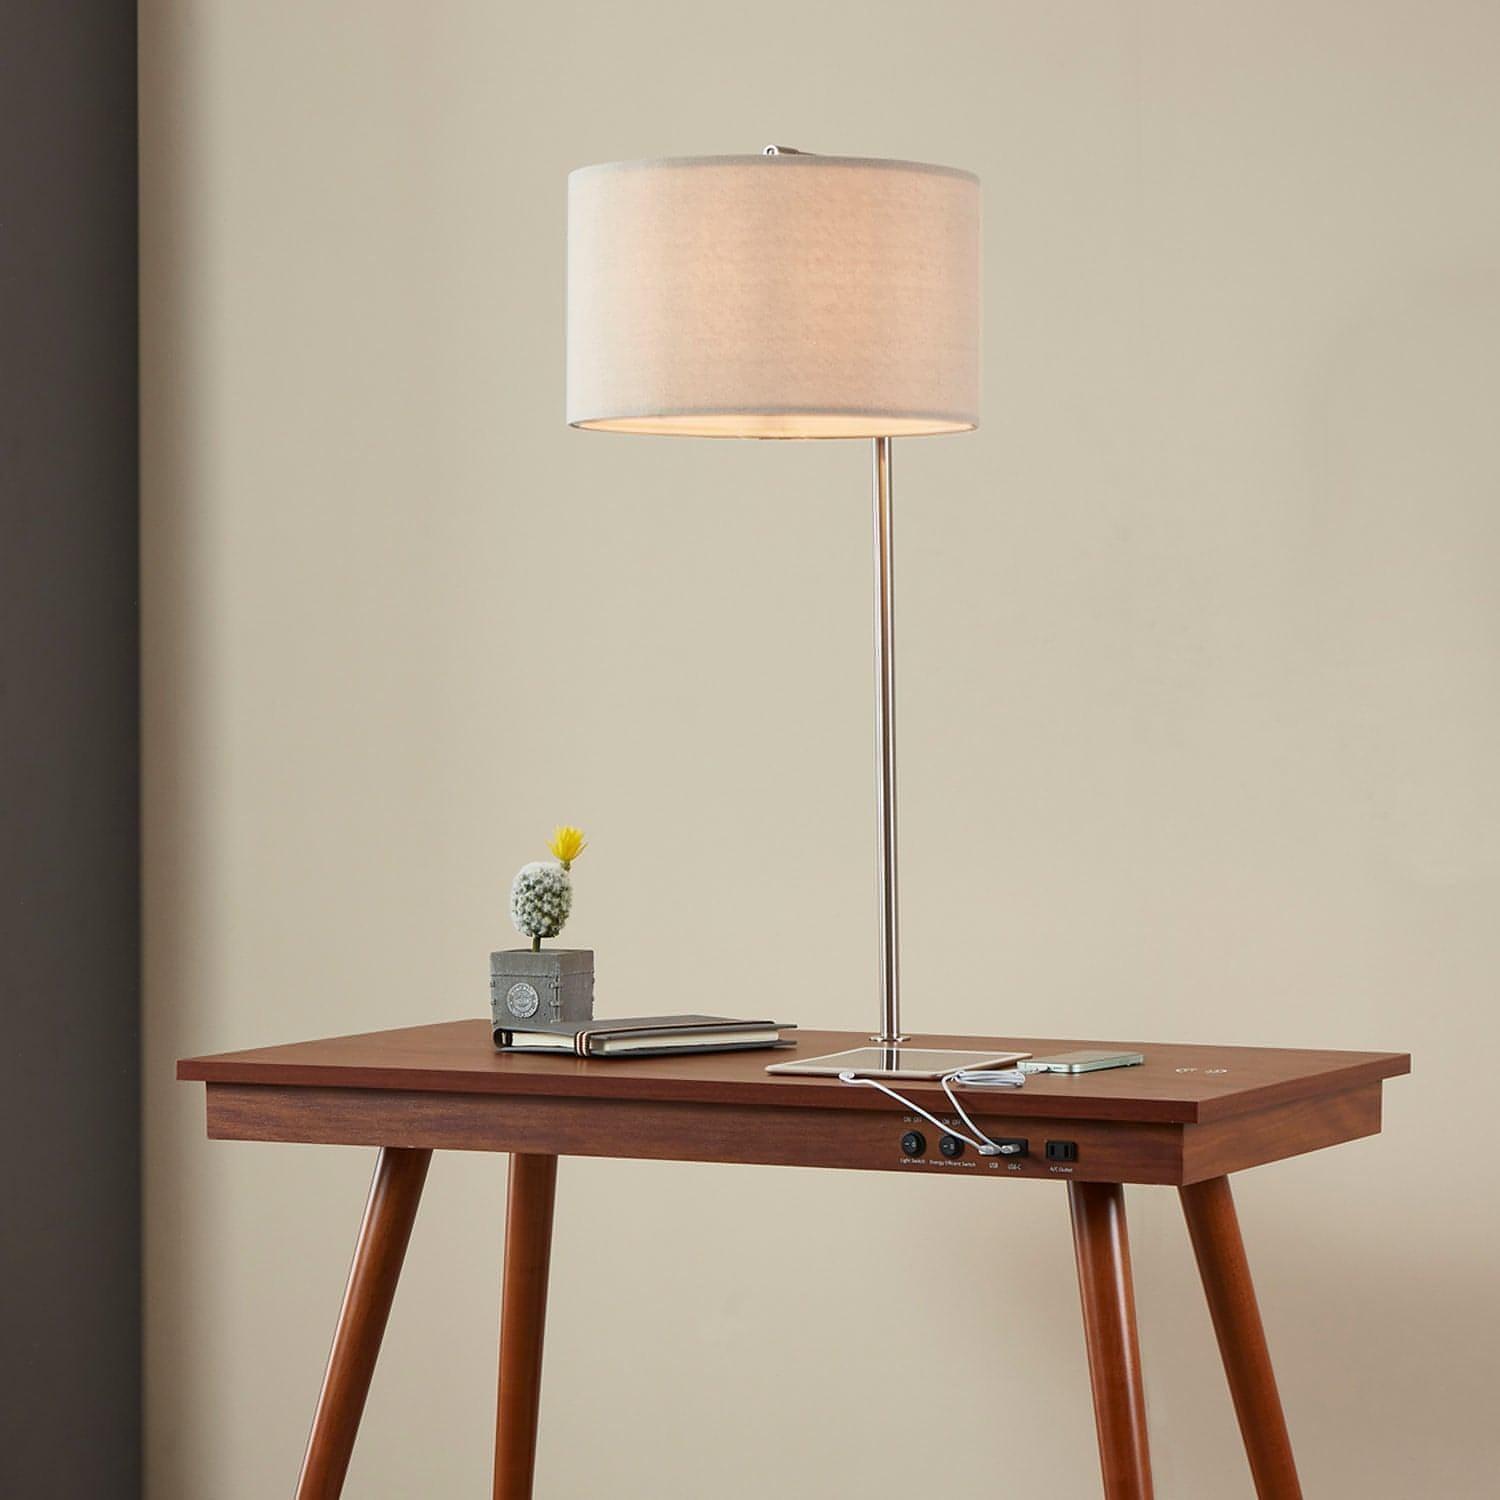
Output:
(1200, 715)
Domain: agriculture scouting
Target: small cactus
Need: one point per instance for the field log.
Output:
(541, 896)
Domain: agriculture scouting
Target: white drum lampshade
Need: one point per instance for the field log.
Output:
(773, 296)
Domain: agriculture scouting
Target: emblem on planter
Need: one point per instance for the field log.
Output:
(522, 1000)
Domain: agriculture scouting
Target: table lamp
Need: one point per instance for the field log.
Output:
(784, 295)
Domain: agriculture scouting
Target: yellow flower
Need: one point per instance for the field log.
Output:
(567, 844)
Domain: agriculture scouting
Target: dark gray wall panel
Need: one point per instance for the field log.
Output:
(69, 834)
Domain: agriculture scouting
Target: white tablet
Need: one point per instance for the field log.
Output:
(895, 1062)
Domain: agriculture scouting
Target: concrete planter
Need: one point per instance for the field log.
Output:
(547, 984)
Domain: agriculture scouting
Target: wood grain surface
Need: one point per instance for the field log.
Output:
(765, 1134)
(1215, 1231)
(523, 1319)
(1178, 1084)
(1101, 1244)
(389, 1215)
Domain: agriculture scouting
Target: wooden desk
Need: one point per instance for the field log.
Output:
(1186, 1119)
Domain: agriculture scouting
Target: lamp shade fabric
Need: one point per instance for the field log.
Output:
(786, 296)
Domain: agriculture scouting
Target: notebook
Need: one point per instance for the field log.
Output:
(639, 1036)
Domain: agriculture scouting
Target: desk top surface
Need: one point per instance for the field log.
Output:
(1182, 1084)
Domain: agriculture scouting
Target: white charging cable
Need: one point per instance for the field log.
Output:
(965, 1078)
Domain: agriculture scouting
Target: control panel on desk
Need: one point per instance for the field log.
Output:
(921, 1144)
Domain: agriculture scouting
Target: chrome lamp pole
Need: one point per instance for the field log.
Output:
(885, 753)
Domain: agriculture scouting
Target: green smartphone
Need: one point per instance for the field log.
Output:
(1080, 1062)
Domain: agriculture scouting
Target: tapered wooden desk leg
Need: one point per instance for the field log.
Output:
(1102, 1246)
(1215, 1230)
(383, 1237)
(523, 1316)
